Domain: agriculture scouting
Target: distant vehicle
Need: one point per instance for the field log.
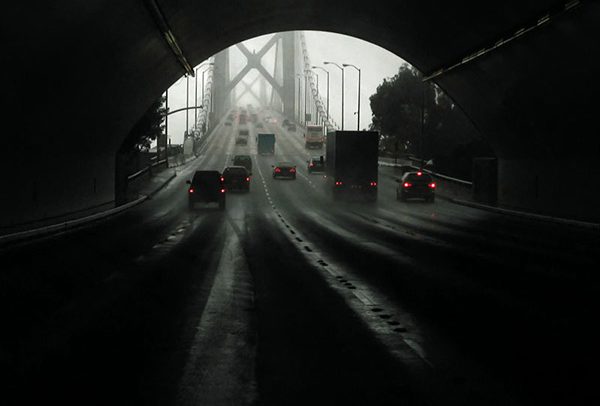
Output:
(242, 118)
(352, 163)
(206, 187)
(241, 140)
(416, 185)
(243, 160)
(316, 164)
(285, 123)
(243, 132)
(284, 170)
(266, 144)
(291, 127)
(253, 117)
(314, 137)
(236, 178)
(259, 125)
(228, 123)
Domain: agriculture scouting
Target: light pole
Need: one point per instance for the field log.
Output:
(327, 72)
(316, 99)
(299, 76)
(187, 105)
(358, 111)
(305, 97)
(342, 69)
(166, 132)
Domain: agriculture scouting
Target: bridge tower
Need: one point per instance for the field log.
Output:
(282, 96)
(292, 82)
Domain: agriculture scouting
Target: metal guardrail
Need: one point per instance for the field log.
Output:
(146, 169)
(66, 225)
(432, 173)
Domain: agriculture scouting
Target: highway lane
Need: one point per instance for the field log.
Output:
(467, 271)
(286, 298)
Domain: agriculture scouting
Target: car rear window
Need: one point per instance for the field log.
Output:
(207, 178)
(234, 171)
(413, 177)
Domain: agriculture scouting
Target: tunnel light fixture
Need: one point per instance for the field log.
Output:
(545, 18)
(161, 22)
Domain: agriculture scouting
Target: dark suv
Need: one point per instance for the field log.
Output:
(206, 187)
(416, 185)
(236, 178)
(243, 160)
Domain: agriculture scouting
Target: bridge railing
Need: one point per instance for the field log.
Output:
(330, 124)
(203, 116)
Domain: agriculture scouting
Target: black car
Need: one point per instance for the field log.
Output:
(243, 160)
(416, 185)
(284, 170)
(241, 140)
(316, 164)
(236, 178)
(291, 127)
(206, 187)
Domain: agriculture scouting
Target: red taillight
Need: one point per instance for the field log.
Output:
(222, 179)
(373, 183)
(248, 179)
(406, 184)
(338, 183)
(293, 170)
(419, 173)
(191, 190)
(432, 185)
(311, 165)
(222, 190)
(277, 170)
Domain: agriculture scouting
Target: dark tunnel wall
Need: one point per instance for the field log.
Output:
(79, 74)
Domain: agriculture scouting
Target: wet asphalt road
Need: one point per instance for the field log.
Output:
(285, 298)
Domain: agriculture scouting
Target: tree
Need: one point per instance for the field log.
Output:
(444, 133)
(147, 129)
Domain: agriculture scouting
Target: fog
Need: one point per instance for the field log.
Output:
(375, 63)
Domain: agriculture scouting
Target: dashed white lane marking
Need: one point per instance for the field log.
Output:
(361, 299)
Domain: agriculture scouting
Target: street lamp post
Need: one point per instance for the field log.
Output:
(305, 97)
(187, 104)
(342, 69)
(358, 111)
(327, 72)
(316, 99)
(166, 132)
(299, 76)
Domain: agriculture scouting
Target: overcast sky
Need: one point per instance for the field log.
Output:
(375, 63)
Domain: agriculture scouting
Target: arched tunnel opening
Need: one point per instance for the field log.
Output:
(284, 294)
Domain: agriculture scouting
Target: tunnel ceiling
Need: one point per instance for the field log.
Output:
(96, 58)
